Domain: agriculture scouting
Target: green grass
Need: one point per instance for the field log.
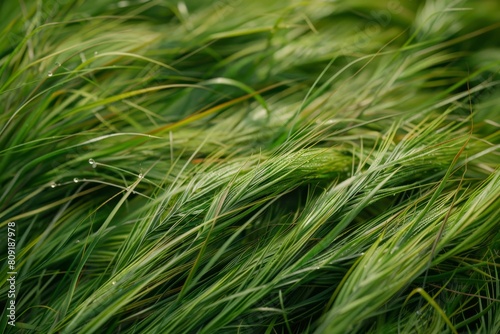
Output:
(244, 166)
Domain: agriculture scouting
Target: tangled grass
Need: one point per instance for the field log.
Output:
(251, 166)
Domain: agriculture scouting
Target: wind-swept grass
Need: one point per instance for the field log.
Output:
(251, 166)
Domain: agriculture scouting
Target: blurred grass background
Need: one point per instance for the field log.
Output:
(258, 166)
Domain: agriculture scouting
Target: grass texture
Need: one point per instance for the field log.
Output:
(254, 166)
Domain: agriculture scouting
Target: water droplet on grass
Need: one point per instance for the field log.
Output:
(77, 241)
(113, 283)
(50, 74)
(96, 53)
(58, 64)
(53, 185)
(93, 163)
(141, 176)
(76, 180)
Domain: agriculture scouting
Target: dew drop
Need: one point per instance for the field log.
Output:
(75, 180)
(93, 163)
(113, 283)
(53, 185)
(50, 74)
(58, 64)
(141, 176)
(77, 241)
(96, 53)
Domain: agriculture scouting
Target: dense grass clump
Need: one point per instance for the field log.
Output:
(257, 166)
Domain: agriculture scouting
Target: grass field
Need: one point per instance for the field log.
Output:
(240, 166)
